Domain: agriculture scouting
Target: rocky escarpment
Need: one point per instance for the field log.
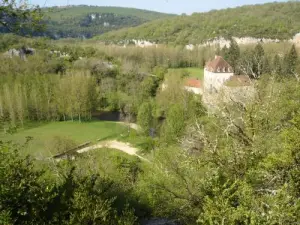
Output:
(222, 42)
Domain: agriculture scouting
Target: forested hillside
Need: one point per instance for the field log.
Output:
(272, 20)
(170, 157)
(87, 21)
(237, 165)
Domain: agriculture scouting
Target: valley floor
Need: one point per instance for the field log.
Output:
(43, 134)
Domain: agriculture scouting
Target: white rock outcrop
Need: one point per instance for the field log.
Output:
(296, 39)
(222, 42)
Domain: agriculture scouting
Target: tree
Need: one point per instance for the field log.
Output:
(290, 62)
(18, 16)
(175, 122)
(266, 66)
(83, 95)
(254, 62)
(63, 97)
(233, 54)
(160, 72)
(277, 65)
(258, 59)
(224, 52)
(28, 197)
(147, 89)
(247, 171)
(21, 193)
(145, 117)
(59, 144)
(246, 64)
(218, 50)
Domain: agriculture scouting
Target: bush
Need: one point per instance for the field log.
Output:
(60, 144)
(146, 144)
(26, 197)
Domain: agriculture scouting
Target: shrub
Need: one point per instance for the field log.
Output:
(60, 144)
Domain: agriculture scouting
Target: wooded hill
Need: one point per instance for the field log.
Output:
(272, 20)
(87, 21)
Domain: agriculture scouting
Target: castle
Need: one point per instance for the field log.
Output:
(218, 76)
(219, 84)
(216, 73)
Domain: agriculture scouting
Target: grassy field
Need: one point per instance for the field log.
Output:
(75, 131)
(193, 72)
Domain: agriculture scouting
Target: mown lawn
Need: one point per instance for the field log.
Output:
(78, 132)
(193, 72)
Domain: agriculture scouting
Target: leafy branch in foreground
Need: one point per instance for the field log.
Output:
(18, 16)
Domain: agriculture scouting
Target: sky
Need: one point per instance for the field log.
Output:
(168, 6)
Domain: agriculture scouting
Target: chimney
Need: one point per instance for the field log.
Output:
(216, 56)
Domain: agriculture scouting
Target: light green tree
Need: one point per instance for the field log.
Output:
(145, 118)
(175, 122)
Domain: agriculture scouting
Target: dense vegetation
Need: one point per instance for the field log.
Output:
(235, 165)
(272, 20)
(88, 21)
(59, 13)
(17, 16)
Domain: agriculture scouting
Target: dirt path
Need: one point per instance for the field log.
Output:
(124, 147)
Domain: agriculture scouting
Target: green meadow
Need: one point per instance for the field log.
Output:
(77, 132)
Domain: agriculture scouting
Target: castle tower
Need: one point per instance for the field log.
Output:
(216, 73)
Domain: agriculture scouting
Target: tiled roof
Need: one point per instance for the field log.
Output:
(192, 82)
(218, 65)
(238, 81)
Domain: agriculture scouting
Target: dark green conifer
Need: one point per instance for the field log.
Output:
(277, 65)
(233, 54)
(290, 61)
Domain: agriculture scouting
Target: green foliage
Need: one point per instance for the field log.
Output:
(87, 21)
(31, 199)
(21, 193)
(175, 122)
(7, 41)
(237, 164)
(277, 65)
(147, 145)
(56, 13)
(148, 88)
(290, 62)
(145, 118)
(255, 63)
(47, 97)
(160, 72)
(59, 144)
(246, 171)
(232, 55)
(272, 20)
(258, 59)
(19, 17)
